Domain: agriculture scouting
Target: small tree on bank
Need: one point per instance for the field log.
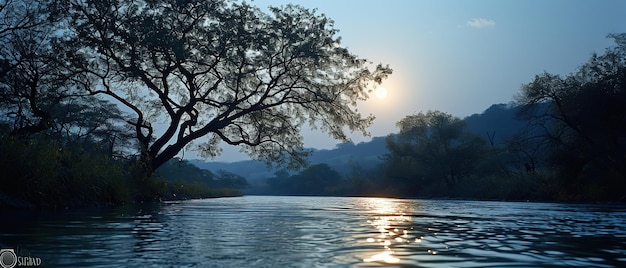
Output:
(214, 71)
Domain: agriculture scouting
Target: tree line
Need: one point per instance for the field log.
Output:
(97, 96)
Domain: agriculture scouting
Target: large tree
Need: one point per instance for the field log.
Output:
(22, 34)
(37, 94)
(582, 117)
(201, 72)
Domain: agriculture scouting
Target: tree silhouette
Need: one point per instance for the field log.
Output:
(436, 148)
(319, 179)
(37, 92)
(216, 71)
(582, 116)
(23, 68)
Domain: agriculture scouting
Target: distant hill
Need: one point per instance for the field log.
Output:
(252, 170)
(343, 159)
(348, 156)
(498, 121)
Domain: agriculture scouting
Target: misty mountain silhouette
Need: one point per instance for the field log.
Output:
(499, 122)
(344, 158)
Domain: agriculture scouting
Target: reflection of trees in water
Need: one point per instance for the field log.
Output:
(148, 231)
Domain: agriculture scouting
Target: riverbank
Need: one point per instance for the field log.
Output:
(41, 173)
(8, 202)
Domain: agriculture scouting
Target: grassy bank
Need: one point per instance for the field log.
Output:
(39, 173)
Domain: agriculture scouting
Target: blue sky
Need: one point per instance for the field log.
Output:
(460, 57)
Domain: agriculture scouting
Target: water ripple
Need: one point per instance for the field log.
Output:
(257, 231)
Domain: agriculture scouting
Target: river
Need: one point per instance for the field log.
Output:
(271, 231)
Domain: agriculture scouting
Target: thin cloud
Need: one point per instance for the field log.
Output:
(480, 23)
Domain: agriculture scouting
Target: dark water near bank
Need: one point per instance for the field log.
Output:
(265, 231)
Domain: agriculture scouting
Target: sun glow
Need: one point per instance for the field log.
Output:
(380, 92)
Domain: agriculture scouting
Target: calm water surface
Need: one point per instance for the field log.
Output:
(267, 231)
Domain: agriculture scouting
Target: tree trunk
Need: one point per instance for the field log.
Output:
(158, 159)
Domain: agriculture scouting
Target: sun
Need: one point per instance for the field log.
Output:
(381, 92)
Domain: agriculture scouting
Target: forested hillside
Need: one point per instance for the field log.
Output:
(344, 159)
(500, 122)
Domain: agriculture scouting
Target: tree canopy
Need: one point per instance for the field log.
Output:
(319, 179)
(212, 71)
(434, 147)
(37, 90)
(581, 119)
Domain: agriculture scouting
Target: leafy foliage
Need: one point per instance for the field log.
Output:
(217, 71)
(436, 148)
(37, 91)
(572, 148)
(211, 71)
(583, 126)
(46, 174)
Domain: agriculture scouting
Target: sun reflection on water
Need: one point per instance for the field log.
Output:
(389, 220)
(385, 256)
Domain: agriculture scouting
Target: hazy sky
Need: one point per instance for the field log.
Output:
(460, 57)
